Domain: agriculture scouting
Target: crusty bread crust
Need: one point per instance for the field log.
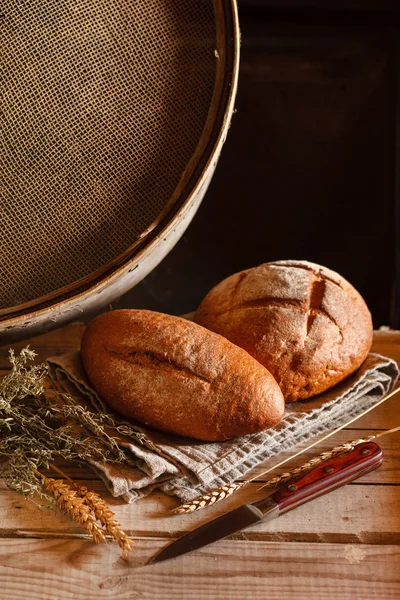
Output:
(177, 376)
(305, 323)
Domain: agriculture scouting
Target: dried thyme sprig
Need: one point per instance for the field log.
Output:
(36, 427)
(39, 425)
(22, 382)
(140, 437)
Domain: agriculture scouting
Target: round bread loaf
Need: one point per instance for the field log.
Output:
(178, 377)
(306, 324)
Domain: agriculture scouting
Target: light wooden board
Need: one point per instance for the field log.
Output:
(339, 516)
(66, 339)
(385, 416)
(77, 570)
(389, 472)
(387, 343)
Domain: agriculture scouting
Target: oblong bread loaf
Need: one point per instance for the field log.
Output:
(178, 377)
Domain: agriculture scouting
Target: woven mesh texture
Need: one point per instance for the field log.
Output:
(103, 103)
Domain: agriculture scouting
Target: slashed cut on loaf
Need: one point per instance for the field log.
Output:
(178, 377)
(305, 323)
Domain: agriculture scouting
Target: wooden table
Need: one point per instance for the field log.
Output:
(344, 545)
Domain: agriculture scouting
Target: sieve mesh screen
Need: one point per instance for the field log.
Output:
(103, 105)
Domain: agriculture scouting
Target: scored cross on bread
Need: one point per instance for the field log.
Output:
(305, 323)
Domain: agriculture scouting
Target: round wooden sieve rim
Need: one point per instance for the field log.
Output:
(121, 274)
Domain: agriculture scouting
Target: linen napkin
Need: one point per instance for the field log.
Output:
(186, 468)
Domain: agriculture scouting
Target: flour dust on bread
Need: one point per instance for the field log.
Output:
(305, 323)
(176, 376)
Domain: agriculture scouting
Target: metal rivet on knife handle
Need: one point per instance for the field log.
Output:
(292, 487)
(328, 469)
(366, 451)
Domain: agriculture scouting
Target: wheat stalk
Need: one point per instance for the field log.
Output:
(107, 518)
(102, 512)
(218, 494)
(314, 462)
(75, 507)
(212, 497)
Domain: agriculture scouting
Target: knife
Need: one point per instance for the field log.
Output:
(324, 478)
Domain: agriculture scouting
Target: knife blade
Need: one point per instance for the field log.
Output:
(333, 473)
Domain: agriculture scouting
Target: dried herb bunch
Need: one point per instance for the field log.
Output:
(37, 428)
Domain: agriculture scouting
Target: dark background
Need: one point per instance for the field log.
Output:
(309, 167)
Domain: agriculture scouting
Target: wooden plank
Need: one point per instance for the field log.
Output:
(385, 416)
(387, 343)
(357, 513)
(79, 570)
(388, 473)
(386, 336)
(65, 339)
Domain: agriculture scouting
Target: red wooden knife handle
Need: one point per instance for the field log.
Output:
(328, 476)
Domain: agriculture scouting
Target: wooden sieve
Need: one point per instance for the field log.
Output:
(113, 115)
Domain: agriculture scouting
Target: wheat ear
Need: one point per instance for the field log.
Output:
(212, 497)
(74, 506)
(324, 456)
(218, 494)
(102, 513)
(107, 518)
(314, 462)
